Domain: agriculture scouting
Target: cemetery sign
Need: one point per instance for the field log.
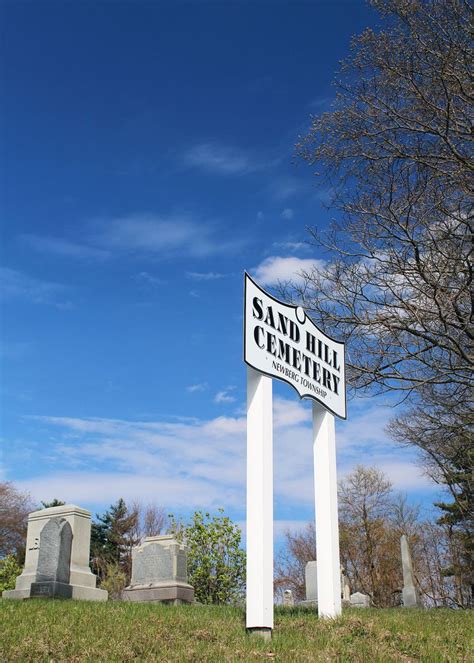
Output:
(281, 341)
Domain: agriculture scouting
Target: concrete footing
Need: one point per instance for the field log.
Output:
(264, 633)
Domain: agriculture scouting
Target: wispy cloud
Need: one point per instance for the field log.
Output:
(220, 159)
(16, 284)
(201, 463)
(63, 247)
(277, 268)
(206, 276)
(321, 103)
(283, 187)
(287, 213)
(292, 246)
(148, 280)
(225, 396)
(200, 386)
(165, 236)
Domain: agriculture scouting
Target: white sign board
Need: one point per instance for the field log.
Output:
(282, 342)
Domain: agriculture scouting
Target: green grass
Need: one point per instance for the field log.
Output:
(41, 630)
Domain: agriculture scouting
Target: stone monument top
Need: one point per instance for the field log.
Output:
(159, 572)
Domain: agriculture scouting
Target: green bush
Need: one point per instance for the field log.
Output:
(9, 571)
(115, 581)
(216, 563)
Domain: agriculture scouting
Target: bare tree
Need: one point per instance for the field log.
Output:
(397, 151)
(370, 548)
(151, 520)
(14, 509)
(396, 283)
(299, 548)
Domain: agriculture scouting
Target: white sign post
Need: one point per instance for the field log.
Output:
(282, 342)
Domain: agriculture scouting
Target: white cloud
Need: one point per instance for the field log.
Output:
(63, 247)
(287, 213)
(280, 528)
(148, 280)
(319, 102)
(290, 413)
(206, 276)
(276, 268)
(16, 284)
(220, 159)
(292, 246)
(197, 463)
(224, 396)
(172, 235)
(104, 487)
(201, 386)
(286, 186)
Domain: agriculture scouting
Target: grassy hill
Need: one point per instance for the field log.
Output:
(39, 630)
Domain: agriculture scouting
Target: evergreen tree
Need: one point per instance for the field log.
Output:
(112, 537)
(54, 502)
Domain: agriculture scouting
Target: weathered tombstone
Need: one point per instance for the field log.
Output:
(311, 584)
(311, 581)
(288, 599)
(54, 559)
(159, 572)
(57, 551)
(410, 595)
(346, 589)
(359, 600)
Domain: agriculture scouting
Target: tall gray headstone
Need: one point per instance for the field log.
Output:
(159, 572)
(54, 560)
(410, 595)
(311, 581)
(311, 584)
(56, 552)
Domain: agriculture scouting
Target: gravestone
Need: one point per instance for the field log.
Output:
(346, 589)
(288, 599)
(57, 551)
(359, 600)
(311, 581)
(410, 595)
(54, 559)
(311, 584)
(159, 572)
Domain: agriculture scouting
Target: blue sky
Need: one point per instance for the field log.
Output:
(148, 161)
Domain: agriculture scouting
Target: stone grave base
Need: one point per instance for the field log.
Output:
(50, 589)
(16, 593)
(309, 603)
(81, 593)
(176, 593)
(57, 590)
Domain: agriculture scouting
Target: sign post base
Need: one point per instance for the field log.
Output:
(263, 633)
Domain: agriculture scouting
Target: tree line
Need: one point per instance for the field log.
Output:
(395, 153)
(216, 561)
(372, 518)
